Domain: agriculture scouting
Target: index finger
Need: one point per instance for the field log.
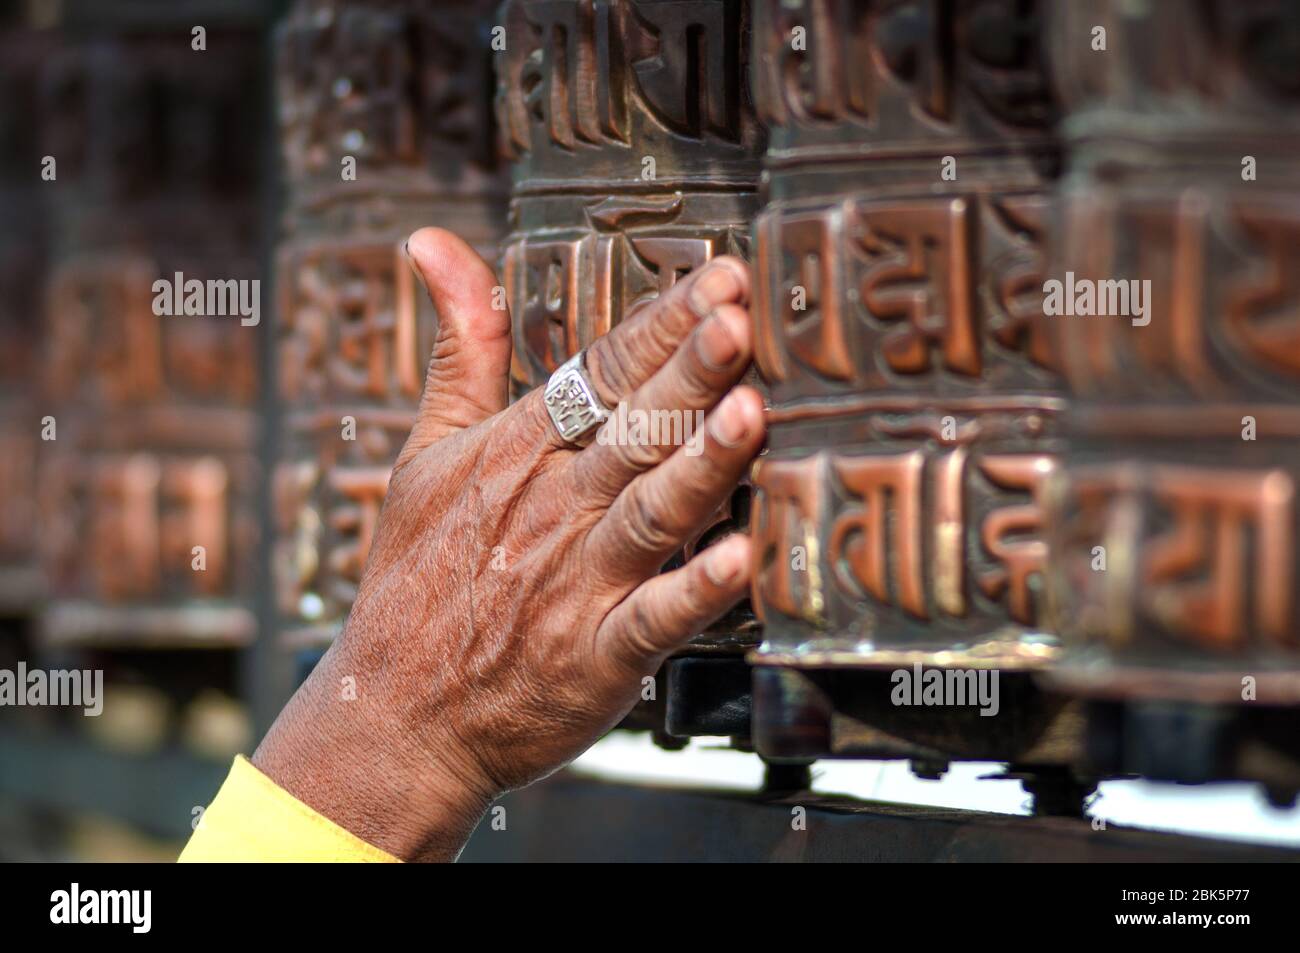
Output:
(625, 358)
(620, 361)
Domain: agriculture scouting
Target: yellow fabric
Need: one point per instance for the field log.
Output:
(254, 819)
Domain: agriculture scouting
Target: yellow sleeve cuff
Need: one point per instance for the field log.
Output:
(254, 820)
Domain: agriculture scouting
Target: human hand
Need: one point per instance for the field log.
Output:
(512, 603)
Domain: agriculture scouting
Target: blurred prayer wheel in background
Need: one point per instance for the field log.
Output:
(1176, 527)
(22, 254)
(386, 119)
(149, 478)
(636, 159)
(21, 580)
(915, 420)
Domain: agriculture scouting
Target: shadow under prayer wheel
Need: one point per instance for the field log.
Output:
(636, 159)
(1175, 524)
(915, 418)
(385, 127)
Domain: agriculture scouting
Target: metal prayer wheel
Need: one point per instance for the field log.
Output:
(148, 475)
(1175, 525)
(385, 124)
(636, 159)
(915, 418)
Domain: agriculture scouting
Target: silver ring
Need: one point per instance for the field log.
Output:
(571, 400)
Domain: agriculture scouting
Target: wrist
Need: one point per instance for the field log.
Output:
(344, 755)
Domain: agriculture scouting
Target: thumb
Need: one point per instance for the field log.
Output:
(468, 375)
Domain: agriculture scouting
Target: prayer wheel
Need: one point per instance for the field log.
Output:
(1176, 323)
(148, 476)
(636, 157)
(915, 416)
(385, 125)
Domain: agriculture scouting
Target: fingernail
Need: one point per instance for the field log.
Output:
(715, 345)
(715, 285)
(722, 563)
(415, 269)
(728, 423)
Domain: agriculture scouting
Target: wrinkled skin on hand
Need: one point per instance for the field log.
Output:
(512, 603)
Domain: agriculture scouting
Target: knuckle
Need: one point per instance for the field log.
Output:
(631, 645)
(641, 455)
(693, 383)
(696, 596)
(605, 472)
(519, 426)
(640, 642)
(658, 333)
(447, 347)
(678, 314)
(609, 364)
(648, 522)
(531, 410)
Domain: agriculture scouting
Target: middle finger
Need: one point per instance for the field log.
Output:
(696, 377)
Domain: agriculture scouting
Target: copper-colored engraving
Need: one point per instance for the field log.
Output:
(788, 509)
(404, 90)
(636, 159)
(1175, 529)
(884, 529)
(1013, 535)
(899, 265)
(149, 490)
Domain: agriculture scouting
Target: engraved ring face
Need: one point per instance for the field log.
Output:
(572, 402)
